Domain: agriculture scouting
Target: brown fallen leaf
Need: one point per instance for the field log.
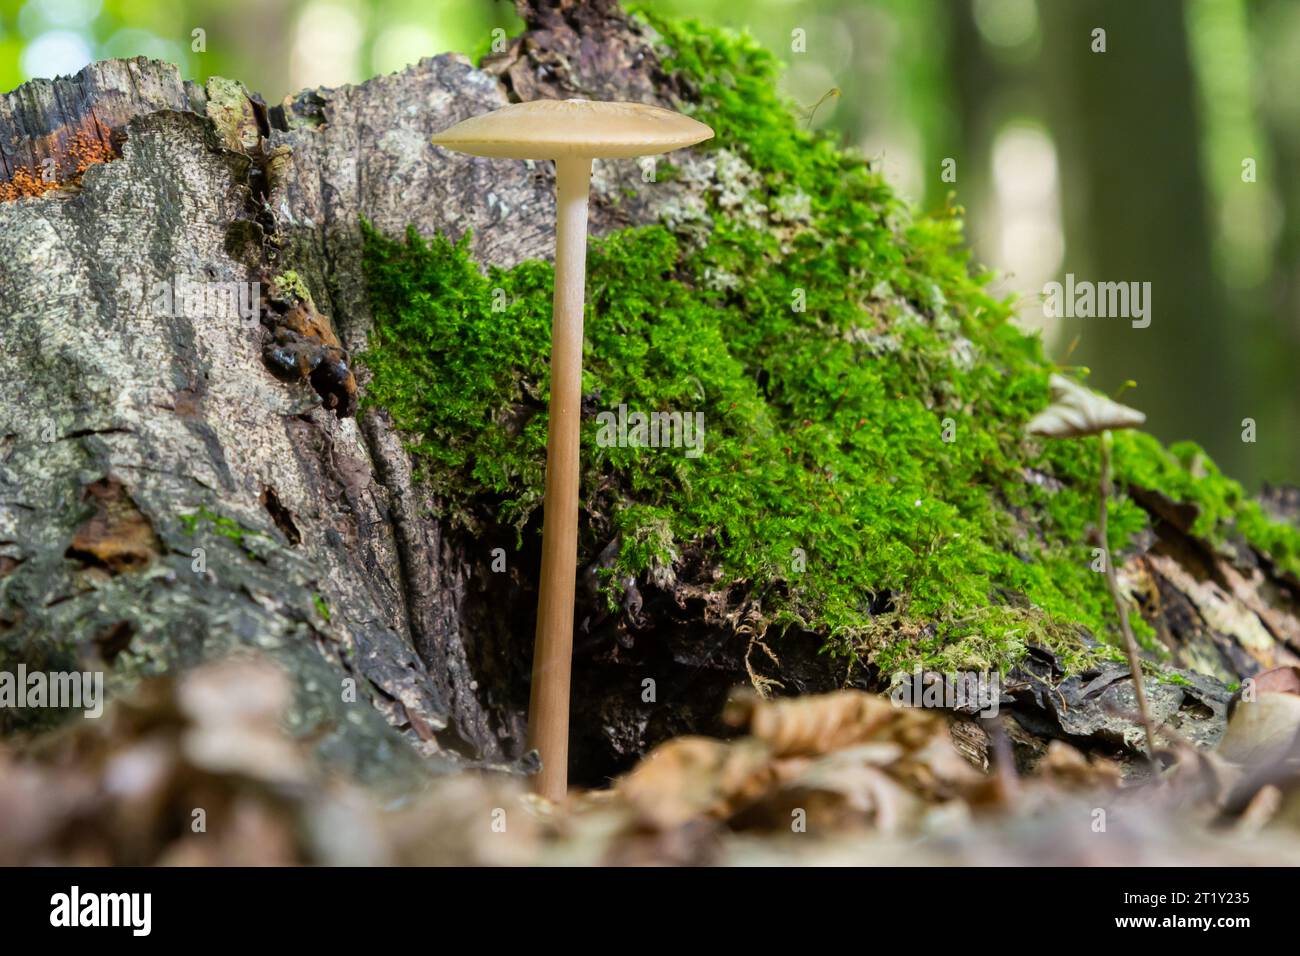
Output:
(1263, 806)
(825, 722)
(1266, 730)
(1279, 680)
(839, 792)
(1069, 767)
(234, 709)
(690, 777)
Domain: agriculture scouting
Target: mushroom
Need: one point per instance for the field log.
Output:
(1075, 412)
(572, 133)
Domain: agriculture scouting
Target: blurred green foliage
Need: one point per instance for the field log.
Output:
(274, 46)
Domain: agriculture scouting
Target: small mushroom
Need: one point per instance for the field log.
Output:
(572, 133)
(1077, 412)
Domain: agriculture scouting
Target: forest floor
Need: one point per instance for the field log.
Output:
(200, 770)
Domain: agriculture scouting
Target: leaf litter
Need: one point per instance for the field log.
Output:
(199, 769)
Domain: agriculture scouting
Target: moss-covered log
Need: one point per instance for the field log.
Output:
(861, 498)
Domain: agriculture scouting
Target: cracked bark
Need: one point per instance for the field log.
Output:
(146, 436)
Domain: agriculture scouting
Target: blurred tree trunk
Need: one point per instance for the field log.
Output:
(1130, 144)
(977, 88)
(1275, 38)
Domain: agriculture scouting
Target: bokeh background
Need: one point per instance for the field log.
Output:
(1125, 165)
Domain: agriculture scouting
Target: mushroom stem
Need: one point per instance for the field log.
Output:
(548, 708)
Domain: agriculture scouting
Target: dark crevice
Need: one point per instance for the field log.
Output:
(113, 640)
(281, 515)
(85, 432)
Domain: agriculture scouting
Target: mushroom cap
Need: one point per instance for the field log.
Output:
(561, 129)
(1077, 411)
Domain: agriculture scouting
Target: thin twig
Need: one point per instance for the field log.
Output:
(1112, 582)
(833, 92)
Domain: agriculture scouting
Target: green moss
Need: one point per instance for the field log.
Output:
(1186, 474)
(228, 528)
(827, 493)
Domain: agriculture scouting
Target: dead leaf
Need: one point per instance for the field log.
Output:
(1069, 767)
(839, 792)
(819, 724)
(1266, 730)
(690, 777)
(234, 709)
